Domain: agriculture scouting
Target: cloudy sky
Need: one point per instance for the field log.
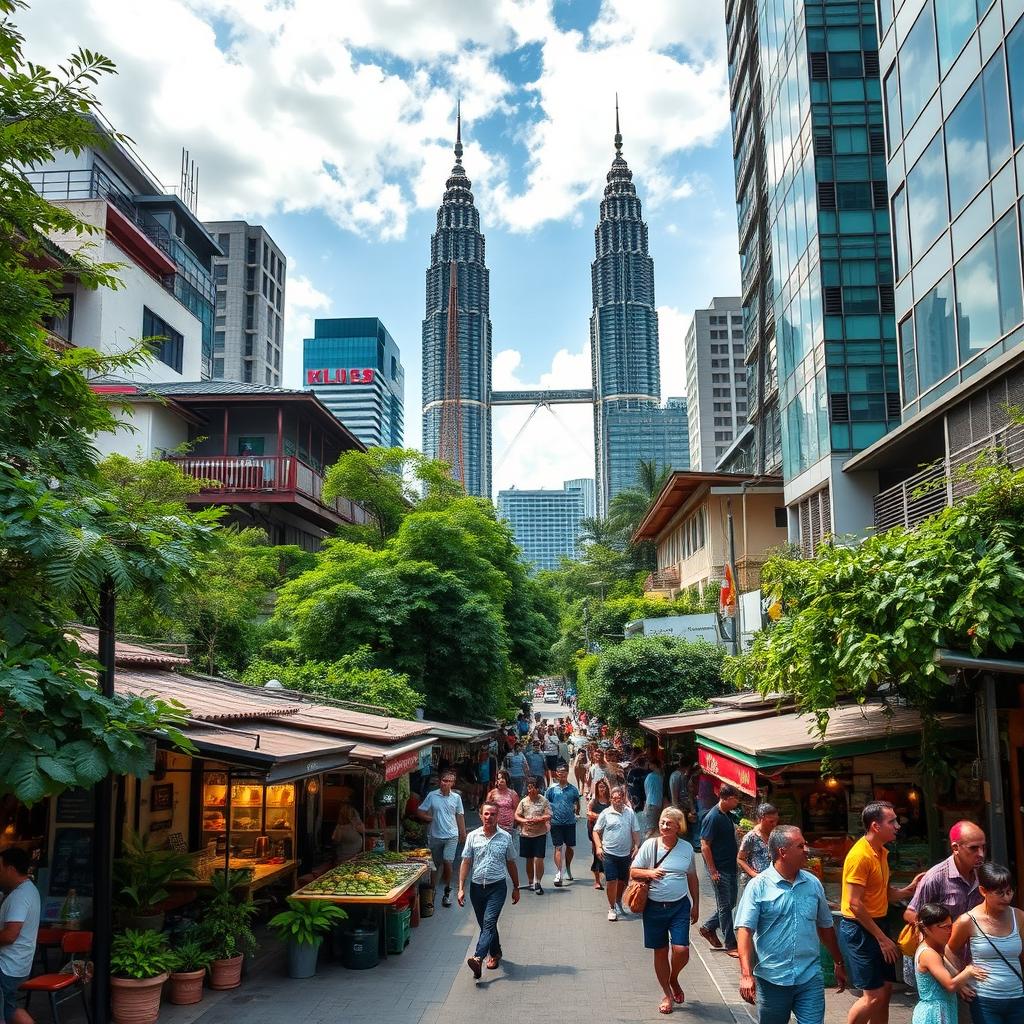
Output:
(331, 123)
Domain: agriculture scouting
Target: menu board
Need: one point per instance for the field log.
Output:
(72, 862)
(76, 806)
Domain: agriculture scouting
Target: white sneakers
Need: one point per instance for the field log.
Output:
(612, 916)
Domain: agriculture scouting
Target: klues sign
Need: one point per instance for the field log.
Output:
(354, 376)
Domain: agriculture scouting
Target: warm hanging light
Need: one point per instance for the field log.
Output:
(312, 786)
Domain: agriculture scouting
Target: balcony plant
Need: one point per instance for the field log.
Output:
(191, 960)
(303, 926)
(139, 963)
(226, 927)
(141, 877)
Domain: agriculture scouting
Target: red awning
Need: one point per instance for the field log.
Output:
(742, 776)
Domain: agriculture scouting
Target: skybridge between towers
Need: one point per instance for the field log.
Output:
(554, 396)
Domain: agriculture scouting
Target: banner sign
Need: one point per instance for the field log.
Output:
(339, 376)
(742, 776)
(401, 765)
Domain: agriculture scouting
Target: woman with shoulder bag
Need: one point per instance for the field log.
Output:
(663, 883)
(993, 931)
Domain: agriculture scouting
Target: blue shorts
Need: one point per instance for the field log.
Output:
(866, 968)
(616, 869)
(9, 996)
(667, 922)
(563, 835)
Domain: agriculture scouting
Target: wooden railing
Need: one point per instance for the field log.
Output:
(238, 474)
(663, 579)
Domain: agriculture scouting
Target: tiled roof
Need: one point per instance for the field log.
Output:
(358, 725)
(216, 387)
(126, 653)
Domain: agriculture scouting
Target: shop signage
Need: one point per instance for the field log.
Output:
(401, 765)
(426, 760)
(339, 376)
(742, 776)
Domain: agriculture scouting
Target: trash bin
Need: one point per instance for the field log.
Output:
(359, 949)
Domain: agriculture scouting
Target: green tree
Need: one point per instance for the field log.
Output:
(353, 677)
(858, 617)
(654, 675)
(62, 533)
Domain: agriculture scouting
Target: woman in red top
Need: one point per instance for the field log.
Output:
(506, 799)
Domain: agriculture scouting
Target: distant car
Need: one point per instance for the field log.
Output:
(550, 696)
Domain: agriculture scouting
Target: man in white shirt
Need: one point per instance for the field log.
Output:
(616, 840)
(19, 928)
(489, 853)
(447, 818)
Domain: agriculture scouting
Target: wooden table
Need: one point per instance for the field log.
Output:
(379, 902)
(262, 875)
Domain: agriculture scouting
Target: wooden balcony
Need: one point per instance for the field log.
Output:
(663, 579)
(272, 479)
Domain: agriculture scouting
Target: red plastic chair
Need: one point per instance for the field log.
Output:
(46, 939)
(62, 987)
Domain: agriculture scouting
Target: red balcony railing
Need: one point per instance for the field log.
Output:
(663, 579)
(272, 474)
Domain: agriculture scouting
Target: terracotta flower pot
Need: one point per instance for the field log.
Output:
(226, 973)
(136, 1000)
(186, 987)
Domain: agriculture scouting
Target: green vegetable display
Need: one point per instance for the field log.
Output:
(361, 878)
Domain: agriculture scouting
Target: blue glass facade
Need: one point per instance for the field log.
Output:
(954, 108)
(458, 238)
(545, 523)
(373, 410)
(623, 338)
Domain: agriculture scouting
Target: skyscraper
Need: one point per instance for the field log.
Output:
(623, 335)
(249, 312)
(585, 486)
(716, 381)
(354, 367)
(457, 338)
(818, 120)
(545, 523)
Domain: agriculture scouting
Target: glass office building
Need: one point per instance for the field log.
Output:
(953, 86)
(629, 425)
(831, 255)
(458, 241)
(545, 523)
(354, 367)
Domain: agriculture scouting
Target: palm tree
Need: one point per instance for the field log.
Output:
(594, 530)
(628, 508)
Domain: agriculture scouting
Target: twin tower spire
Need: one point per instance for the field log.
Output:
(457, 325)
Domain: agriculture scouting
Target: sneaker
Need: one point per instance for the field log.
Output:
(568, 875)
(612, 916)
(558, 880)
(446, 899)
(475, 964)
(538, 890)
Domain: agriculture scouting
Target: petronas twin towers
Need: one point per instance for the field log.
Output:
(623, 337)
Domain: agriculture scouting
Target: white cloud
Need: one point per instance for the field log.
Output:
(672, 327)
(347, 108)
(302, 300)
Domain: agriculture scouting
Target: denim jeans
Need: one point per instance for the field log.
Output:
(775, 1003)
(725, 900)
(487, 902)
(986, 1010)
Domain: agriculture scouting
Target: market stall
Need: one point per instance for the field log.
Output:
(873, 753)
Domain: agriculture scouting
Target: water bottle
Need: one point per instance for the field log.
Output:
(71, 912)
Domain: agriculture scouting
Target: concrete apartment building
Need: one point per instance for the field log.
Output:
(545, 523)
(249, 311)
(716, 380)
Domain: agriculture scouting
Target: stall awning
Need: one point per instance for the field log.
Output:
(396, 760)
(273, 748)
(459, 733)
(691, 721)
(793, 739)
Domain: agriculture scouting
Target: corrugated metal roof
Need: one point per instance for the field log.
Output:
(751, 699)
(460, 733)
(207, 700)
(357, 724)
(216, 387)
(276, 740)
(795, 733)
(377, 752)
(691, 721)
(125, 653)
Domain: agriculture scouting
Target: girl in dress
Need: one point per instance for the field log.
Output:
(936, 987)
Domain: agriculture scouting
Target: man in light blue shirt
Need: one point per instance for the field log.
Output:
(19, 929)
(783, 914)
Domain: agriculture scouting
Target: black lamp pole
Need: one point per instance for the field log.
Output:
(103, 839)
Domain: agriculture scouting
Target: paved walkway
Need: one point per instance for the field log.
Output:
(562, 959)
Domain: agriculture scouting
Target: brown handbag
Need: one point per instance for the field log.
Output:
(635, 896)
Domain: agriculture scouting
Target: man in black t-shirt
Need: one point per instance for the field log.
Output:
(719, 848)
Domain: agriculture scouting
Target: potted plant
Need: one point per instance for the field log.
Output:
(141, 877)
(139, 962)
(188, 972)
(226, 928)
(303, 926)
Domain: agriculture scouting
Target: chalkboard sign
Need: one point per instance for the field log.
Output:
(76, 805)
(72, 862)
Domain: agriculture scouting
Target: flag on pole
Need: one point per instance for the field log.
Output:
(727, 595)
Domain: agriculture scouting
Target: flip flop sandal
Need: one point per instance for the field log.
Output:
(681, 996)
(666, 1005)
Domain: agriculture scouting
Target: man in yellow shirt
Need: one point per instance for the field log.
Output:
(871, 956)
